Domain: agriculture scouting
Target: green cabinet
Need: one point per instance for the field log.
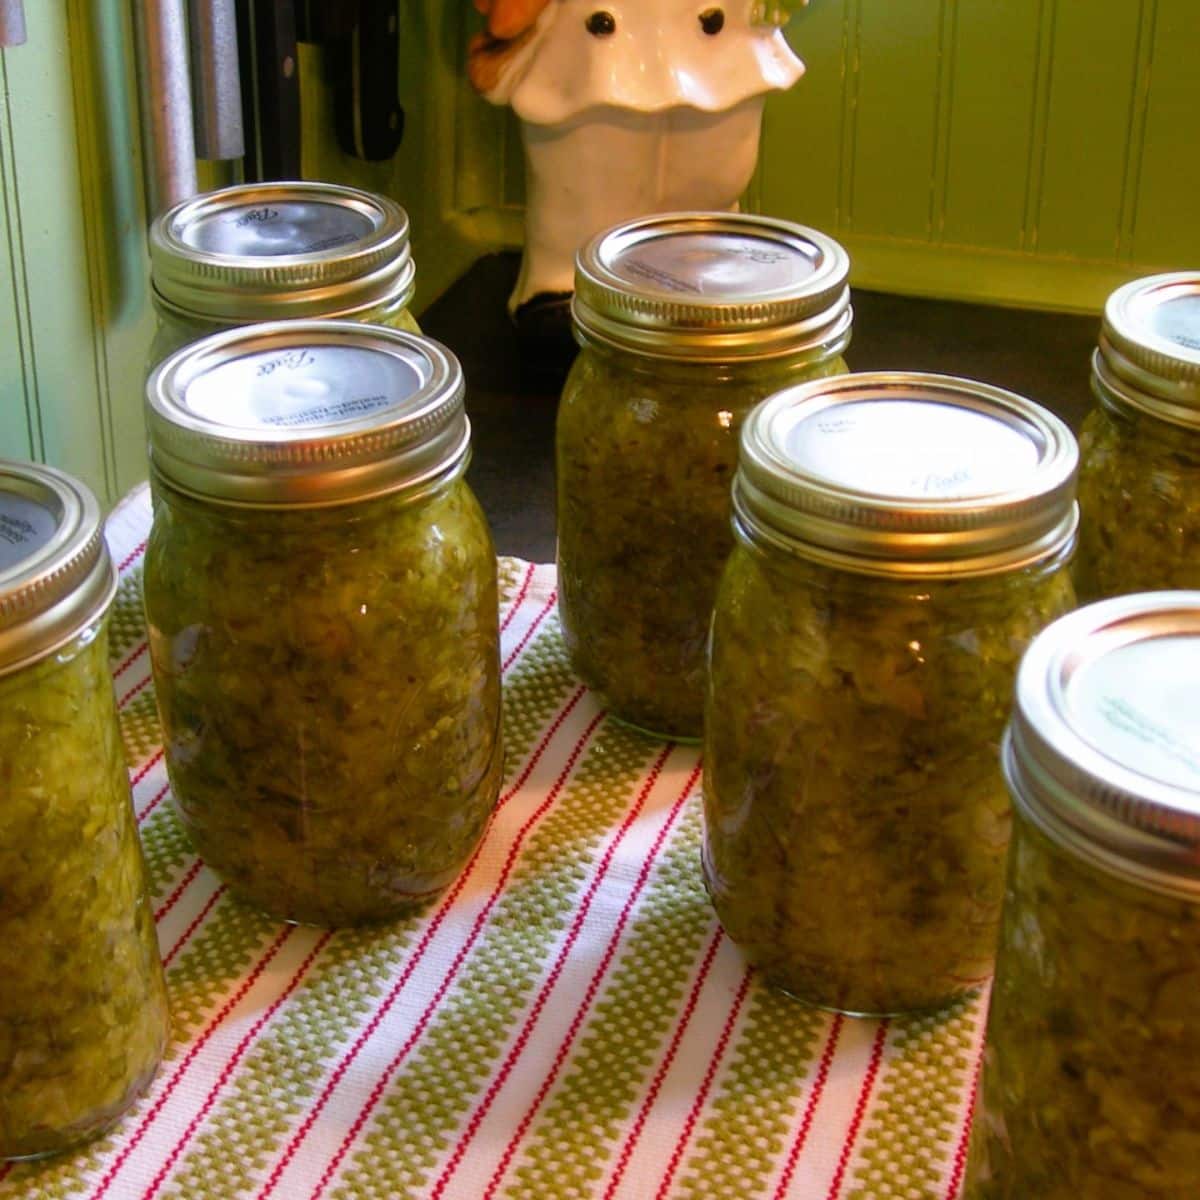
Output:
(74, 315)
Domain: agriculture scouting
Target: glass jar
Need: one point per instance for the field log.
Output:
(1139, 476)
(321, 598)
(83, 1006)
(901, 538)
(686, 322)
(1089, 1085)
(278, 251)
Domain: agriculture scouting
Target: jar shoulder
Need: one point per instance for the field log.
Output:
(602, 384)
(787, 596)
(448, 523)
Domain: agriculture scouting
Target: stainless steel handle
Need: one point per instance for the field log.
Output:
(218, 87)
(165, 93)
(12, 23)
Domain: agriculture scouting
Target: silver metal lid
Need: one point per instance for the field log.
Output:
(899, 473)
(1148, 360)
(1103, 750)
(265, 251)
(56, 576)
(714, 286)
(307, 414)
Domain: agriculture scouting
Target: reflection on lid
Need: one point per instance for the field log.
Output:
(292, 387)
(1137, 704)
(718, 264)
(275, 227)
(1178, 321)
(914, 449)
(25, 526)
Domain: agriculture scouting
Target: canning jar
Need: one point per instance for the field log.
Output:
(278, 251)
(321, 597)
(1089, 1085)
(1139, 475)
(685, 323)
(83, 1007)
(901, 538)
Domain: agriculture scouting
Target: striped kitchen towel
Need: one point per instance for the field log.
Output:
(568, 1021)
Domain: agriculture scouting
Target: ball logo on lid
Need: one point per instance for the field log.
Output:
(25, 526)
(278, 228)
(291, 360)
(913, 450)
(254, 216)
(721, 265)
(1178, 321)
(302, 387)
(1137, 706)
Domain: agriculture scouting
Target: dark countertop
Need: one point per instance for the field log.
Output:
(1044, 356)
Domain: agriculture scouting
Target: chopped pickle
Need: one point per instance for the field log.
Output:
(646, 457)
(83, 1006)
(329, 686)
(1090, 1086)
(856, 816)
(1139, 501)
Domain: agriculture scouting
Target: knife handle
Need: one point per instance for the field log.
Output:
(270, 89)
(363, 57)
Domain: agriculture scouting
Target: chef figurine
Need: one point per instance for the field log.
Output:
(626, 107)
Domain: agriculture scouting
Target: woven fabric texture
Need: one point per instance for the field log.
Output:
(568, 1022)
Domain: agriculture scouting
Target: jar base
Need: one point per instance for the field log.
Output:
(794, 993)
(873, 1014)
(681, 739)
(89, 1132)
(302, 920)
(367, 912)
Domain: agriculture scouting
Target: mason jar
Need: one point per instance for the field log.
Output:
(278, 251)
(321, 598)
(83, 1006)
(685, 321)
(1139, 478)
(900, 540)
(1089, 1085)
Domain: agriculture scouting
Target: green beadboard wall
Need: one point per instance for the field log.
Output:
(74, 318)
(1027, 152)
(1035, 152)
(1030, 152)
